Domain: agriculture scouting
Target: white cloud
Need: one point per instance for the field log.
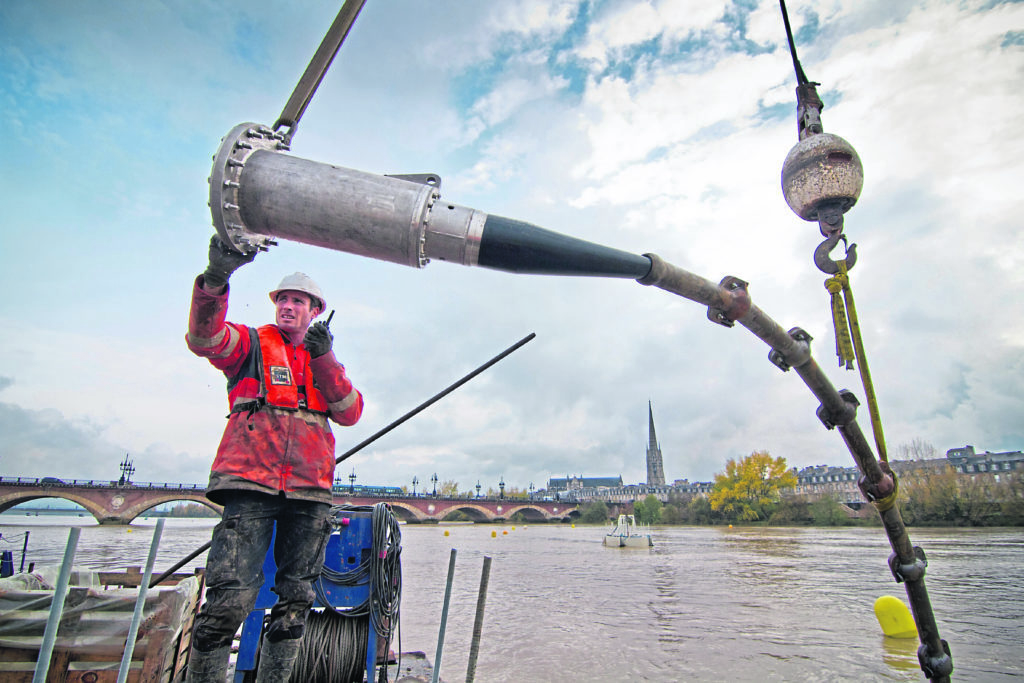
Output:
(626, 25)
(532, 17)
(628, 122)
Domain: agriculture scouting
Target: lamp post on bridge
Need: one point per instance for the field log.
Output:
(415, 481)
(477, 488)
(501, 488)
(531, 490)
(352, 482)
(127, 470)
(434, 479)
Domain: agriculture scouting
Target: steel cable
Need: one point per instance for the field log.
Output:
(333, 648)
(335, 642)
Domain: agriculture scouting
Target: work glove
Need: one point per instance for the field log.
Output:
(318, 339)
(223, 261)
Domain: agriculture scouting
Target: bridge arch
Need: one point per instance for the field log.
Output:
(407, 513)
(11, 500)
(477, 513)
(532, 513)
(107, 505)
(139, 508)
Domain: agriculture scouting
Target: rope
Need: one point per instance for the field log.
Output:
(850, 346)
(836, 285)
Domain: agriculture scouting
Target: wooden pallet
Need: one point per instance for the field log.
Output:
(91, 639)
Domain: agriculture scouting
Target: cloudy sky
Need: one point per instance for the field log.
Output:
(656, 126)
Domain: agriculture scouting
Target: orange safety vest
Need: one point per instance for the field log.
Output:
(266, 379)
(277, 437)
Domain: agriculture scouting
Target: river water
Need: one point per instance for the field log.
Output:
(705, 603)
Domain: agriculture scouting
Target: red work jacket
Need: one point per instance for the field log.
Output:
(277, 439)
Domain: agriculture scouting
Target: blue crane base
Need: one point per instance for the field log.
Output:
(348, 549)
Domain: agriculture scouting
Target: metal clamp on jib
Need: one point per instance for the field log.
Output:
(837, 418)
(872, 491)
(909, 572)
(935, 667)
(735, 301)
(801, 355)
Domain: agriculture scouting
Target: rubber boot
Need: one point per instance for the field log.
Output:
(208, 667)
(277, 659)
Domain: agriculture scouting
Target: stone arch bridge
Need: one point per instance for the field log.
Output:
(116, 503)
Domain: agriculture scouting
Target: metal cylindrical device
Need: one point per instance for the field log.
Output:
(336, 208)
(257, 193)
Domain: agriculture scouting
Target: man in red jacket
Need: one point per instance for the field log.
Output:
(275, 462)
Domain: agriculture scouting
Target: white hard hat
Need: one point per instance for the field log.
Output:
(300, 282)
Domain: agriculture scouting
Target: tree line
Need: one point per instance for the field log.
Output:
(750, 491)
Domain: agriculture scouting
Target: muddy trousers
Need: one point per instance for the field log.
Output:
(234, 572)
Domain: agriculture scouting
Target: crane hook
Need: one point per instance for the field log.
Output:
(826, 263)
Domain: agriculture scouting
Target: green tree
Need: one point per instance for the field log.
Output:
(672, 513)
(749, 489)
(699, 511)
(1011, 507)
(674, 510)
(827, 511)
(516, 492)
(929, 496)
(594, 512)
(192, 510)
(448, 489)
(791, 510)
(648, 510)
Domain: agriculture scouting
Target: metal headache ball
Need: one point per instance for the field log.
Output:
(821, 172)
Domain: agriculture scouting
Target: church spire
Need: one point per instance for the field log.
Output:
(653, 442)
(655, 468)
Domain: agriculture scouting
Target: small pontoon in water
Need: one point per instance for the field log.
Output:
(627, 534)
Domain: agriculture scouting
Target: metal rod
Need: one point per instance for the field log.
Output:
(60, 591)
(191, 556)
(318, 65)
(24, 550)
(478, 623)
(444, 619)
(140, 604)
(435, 398)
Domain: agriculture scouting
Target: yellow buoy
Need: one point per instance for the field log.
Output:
(513, 528)
(445, 532)
(894, 617)
(494, 534)
(573, 526)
